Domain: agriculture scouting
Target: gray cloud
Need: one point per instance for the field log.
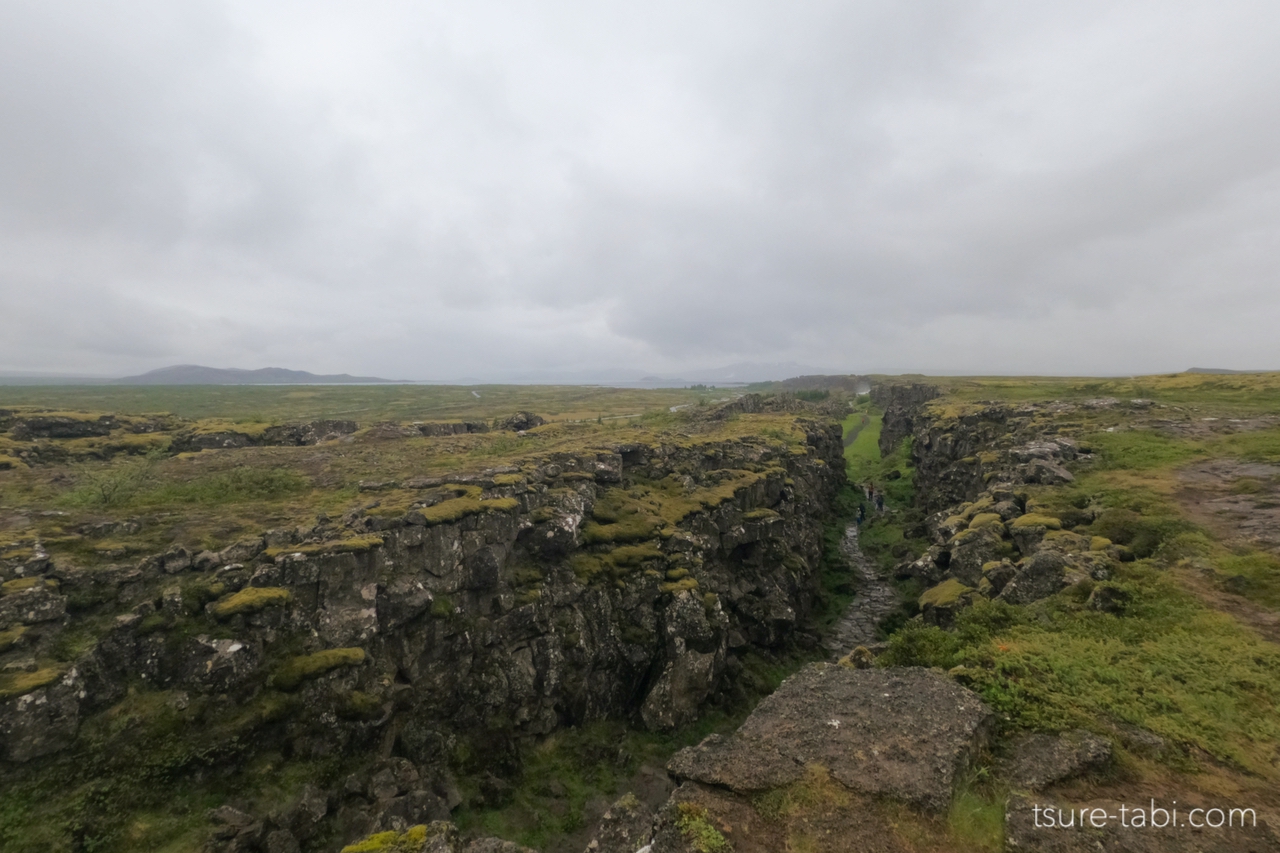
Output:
(430, 191)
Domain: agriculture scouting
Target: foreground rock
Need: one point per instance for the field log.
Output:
(903, 733)
(1038, 760)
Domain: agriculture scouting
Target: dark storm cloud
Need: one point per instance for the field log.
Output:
(478, 189)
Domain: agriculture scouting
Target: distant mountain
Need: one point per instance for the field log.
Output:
(1222, 370)
(194, 374)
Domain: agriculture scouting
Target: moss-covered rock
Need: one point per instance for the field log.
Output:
(1035, 519)
(21, 683)
(250, 600)
(291, 674)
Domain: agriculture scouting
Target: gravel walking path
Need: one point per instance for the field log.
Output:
(874, 600)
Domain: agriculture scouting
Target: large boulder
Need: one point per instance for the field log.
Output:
(1039, 576)
(625, 828)
(972, 549)
(900, 732)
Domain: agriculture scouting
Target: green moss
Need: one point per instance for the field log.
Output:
(358, 705)
(196, 594)
(251, 600)
(291, 674)
(10, 638)
(1033, 519)
(945, 593)
(508, 479)
(630, 556)
(760, 515)
(680, 585)
(956, 522)
(1099, 543)
(984, 519)
(630, 530)
(458, 508)
(412, 840)
(677, 574)
(442, 607)
(694, 824)
(586, 566)
(20, 585)
(20, 683)
(350, 545)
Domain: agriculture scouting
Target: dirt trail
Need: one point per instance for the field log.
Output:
(875, 599)
(1240, 503)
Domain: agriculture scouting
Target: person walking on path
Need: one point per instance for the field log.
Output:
(861, 514)
(880, 501)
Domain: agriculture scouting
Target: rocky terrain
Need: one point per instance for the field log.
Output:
(1080, 611)
(441, 617)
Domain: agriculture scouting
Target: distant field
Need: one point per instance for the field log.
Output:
(1252, 392)
(364, 403)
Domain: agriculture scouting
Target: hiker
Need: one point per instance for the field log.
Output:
(861, 514)
(880, 501)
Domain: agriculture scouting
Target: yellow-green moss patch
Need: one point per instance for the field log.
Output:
(680, 585)
(411, 840)
(633, 555)
(299, 669)
(351, 545)
(20, 683)
(1034, 519)
(20, 585)
(948, 592)
(1099, 543)
(251, 600)
(458, 508)
(10, 638)
(984, 519)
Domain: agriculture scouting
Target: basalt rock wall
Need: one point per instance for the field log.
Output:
(618, 583)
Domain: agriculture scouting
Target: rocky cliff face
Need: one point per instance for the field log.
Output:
(900, 403)
(976, 470)
(450, 615)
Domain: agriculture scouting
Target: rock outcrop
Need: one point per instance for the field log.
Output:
(901, 732)
(452, 614)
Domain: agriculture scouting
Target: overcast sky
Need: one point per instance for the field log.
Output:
(439, 190)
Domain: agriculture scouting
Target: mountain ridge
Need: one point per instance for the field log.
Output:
(196, 374)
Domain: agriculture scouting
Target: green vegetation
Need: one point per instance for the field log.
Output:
(1169, 664)
(412, 840)
(251, 600)
(246, 405)
(20, 683)
(693, 823)
(290, 675)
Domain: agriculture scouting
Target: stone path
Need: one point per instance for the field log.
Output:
(875, 599)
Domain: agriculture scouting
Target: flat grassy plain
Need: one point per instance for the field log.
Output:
(1242, 393)
(364, 403)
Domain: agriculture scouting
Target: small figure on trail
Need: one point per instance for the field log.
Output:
(861, 514)
(867, 489)
(880, 501)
